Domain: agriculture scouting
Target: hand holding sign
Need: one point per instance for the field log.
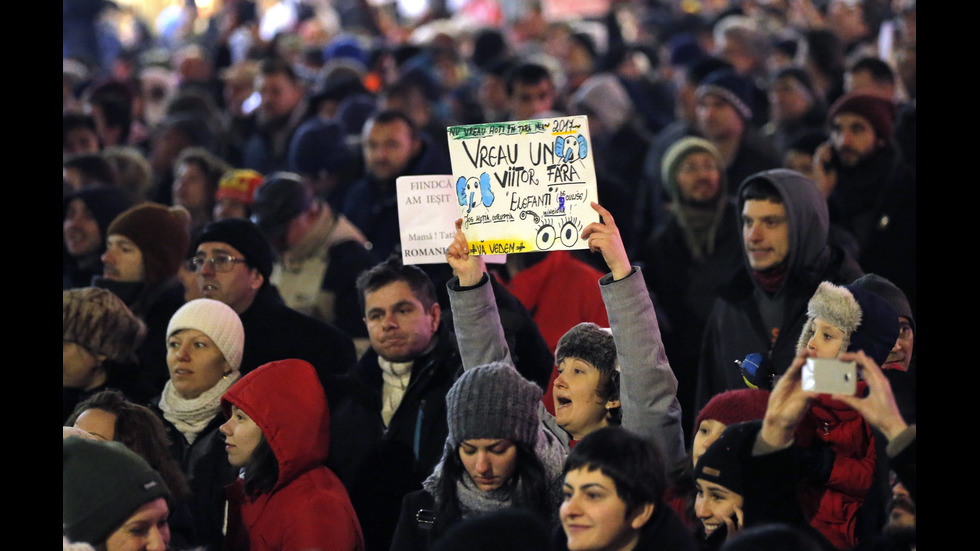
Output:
(604, 238)
(468, 267)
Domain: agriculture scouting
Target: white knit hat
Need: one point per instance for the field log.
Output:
(216, 320)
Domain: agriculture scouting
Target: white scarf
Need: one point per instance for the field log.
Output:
(190, 417)
(396, 376)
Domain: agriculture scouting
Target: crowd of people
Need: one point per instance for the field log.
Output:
(248, 364)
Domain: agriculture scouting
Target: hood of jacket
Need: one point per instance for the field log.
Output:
(286, 400)
(809, 220)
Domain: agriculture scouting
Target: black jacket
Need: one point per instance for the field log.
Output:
(378, 465)
(205, 464)
(274, 331)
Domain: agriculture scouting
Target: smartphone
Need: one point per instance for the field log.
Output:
(830, 376)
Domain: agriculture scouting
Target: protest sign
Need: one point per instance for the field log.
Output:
(427, 213)
(524, 186)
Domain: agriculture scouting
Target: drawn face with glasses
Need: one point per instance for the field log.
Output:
(224, 275)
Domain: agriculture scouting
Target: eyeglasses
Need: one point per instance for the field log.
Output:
(220, 263)
(693, 167)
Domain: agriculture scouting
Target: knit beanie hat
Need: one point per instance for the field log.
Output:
(239, 185)
(282, 197)
(879, 111)
(318, 145)
(161, 234)
(102, 484)
(243, 235)
(493, 401)
(99, 320)
(888, 291)
(730, 87)
(679, 151)
(734, 406)
(604, 96)
(721, 463)
(878, 330)
(867, 321)
(589, 343)
(216, 320)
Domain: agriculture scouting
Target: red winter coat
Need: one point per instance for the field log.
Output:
(834, 505)
(308, 508)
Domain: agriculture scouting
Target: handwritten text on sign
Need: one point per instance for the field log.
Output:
(524, 186)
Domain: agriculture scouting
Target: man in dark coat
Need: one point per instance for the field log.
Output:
(393, 147)
(388, 415)
(762, 308)
(873, 188)
(233, 263)
(144, 248)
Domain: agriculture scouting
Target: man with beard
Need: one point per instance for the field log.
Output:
(690, 256)
(282, 110)
(872, 187)
(392, 148)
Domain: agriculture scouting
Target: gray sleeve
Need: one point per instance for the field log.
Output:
(647, 388)
(479, 334)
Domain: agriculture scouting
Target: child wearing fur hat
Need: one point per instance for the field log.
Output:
(840, 444)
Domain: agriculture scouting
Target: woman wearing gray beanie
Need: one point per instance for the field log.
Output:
(498, 455)
(205, 340)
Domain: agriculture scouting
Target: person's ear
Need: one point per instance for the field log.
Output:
(436, 312)
(256, 280)
(613, 404)
(642, 515)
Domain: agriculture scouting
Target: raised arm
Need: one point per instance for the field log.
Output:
(479, 334)
(648, 388)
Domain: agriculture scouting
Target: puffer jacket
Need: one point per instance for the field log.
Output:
(308, 507)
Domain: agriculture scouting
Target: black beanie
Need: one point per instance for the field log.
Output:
(103, 484)
(721, 463)
(243, 235)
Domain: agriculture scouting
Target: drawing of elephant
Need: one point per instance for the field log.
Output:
(473, 191)
(571, 148)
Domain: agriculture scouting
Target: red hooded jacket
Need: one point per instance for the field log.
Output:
(308, 508)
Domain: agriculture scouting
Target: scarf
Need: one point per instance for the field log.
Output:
(473, 501)
(396, 376)
(700, 224)
(770, 280)
(190, 417)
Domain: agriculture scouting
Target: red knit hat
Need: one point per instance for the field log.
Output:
(735, 406)
(879, 111)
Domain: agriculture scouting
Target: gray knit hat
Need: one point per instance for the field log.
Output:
(216, 320)
(100, 321)
(102, 484)
(590, 343)
(679, 151)
(493, 401)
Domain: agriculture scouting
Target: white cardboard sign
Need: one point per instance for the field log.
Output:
(524, 186)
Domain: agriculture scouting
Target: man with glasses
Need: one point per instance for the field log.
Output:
(688, 259)
(233, 261)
